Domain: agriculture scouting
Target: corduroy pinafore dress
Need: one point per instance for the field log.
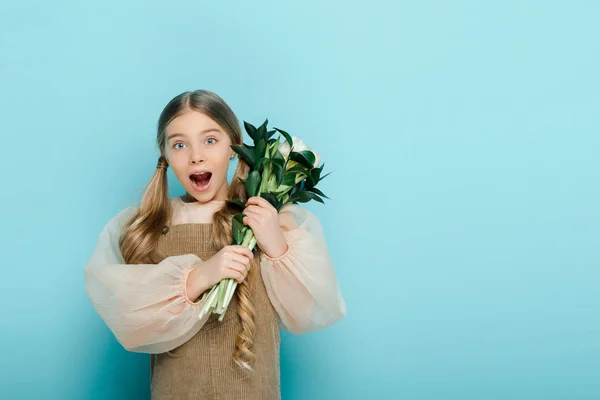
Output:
(203, 368)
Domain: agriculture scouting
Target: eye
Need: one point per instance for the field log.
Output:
(215, 140)
(175, 145)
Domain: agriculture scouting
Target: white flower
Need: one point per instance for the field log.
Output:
(298, 146)
(317, 159)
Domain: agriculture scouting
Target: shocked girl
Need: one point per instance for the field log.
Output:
(155, 262)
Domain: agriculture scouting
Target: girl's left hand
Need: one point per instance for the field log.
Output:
(263, 219)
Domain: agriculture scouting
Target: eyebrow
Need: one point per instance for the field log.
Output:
(204, 132)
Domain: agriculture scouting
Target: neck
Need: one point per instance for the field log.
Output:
(188, 198)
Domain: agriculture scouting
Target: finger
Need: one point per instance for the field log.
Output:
(261, 205)
(238, 276)
(255, 209)
(241, 259)
(257, 200)
(252, 214)
(246, 221)
(247, 213)
(242, 250)
(239, 269)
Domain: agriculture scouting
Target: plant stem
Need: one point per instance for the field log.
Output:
(221, 294)
(209, 300)
(249, 241)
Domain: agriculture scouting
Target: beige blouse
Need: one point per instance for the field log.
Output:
(148, 310)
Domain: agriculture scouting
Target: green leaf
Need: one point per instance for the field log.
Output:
(317, 191)
(298, 169)
(260, 164)
(293, 191)
(305, 196)
(270, 134)
(314, 176)
(261, 132)
(238, 228)
(278, 158)
(305, 157)
(278, 172)
(252, 183)
(310, 182)
(310, 156)
(247, 153)
(289, 179)
(237, 203)
(286, 136)
(325, 176)
(251, 129)
(316, 173)
(273, 146)
(261, 148)
(270, 197)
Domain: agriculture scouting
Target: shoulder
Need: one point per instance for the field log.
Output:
(117, 221)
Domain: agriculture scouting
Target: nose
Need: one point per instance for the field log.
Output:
(197, 156)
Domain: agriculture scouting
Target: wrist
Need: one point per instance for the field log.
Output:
(195, 285)
(279, 254)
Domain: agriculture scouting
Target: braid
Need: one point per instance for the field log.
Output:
(243, 354)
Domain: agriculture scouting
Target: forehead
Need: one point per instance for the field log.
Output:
(191, 122)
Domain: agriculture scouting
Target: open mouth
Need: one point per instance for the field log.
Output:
(201, 181)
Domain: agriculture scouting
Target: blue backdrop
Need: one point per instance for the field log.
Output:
(464, 220)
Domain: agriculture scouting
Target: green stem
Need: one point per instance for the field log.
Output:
(209, 301)
(264, 182)
(249, 241)
(247, 237)
(221, 296)
(232, 284)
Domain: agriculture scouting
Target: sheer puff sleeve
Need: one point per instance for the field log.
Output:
(301, 283)
(145, 305)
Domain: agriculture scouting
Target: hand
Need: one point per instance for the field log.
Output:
(263, 219)
(231, 261)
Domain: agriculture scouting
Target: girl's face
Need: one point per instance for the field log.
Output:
(198, 151)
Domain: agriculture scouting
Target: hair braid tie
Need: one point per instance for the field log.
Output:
(162, 163)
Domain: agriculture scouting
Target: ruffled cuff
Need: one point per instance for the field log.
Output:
(287, 252)
(184, 289)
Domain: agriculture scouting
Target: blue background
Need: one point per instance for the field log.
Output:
(464, 220)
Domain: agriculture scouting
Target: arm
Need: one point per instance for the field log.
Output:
(301, 283)
(146, 306)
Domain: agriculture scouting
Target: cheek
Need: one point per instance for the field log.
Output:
(223, 163)
(177, 163)
(175, 157)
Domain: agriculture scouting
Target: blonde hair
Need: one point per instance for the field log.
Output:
(142, 231)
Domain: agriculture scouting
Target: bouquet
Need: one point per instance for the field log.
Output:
(281, 173)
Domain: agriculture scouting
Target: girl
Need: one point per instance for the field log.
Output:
(155, 262)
